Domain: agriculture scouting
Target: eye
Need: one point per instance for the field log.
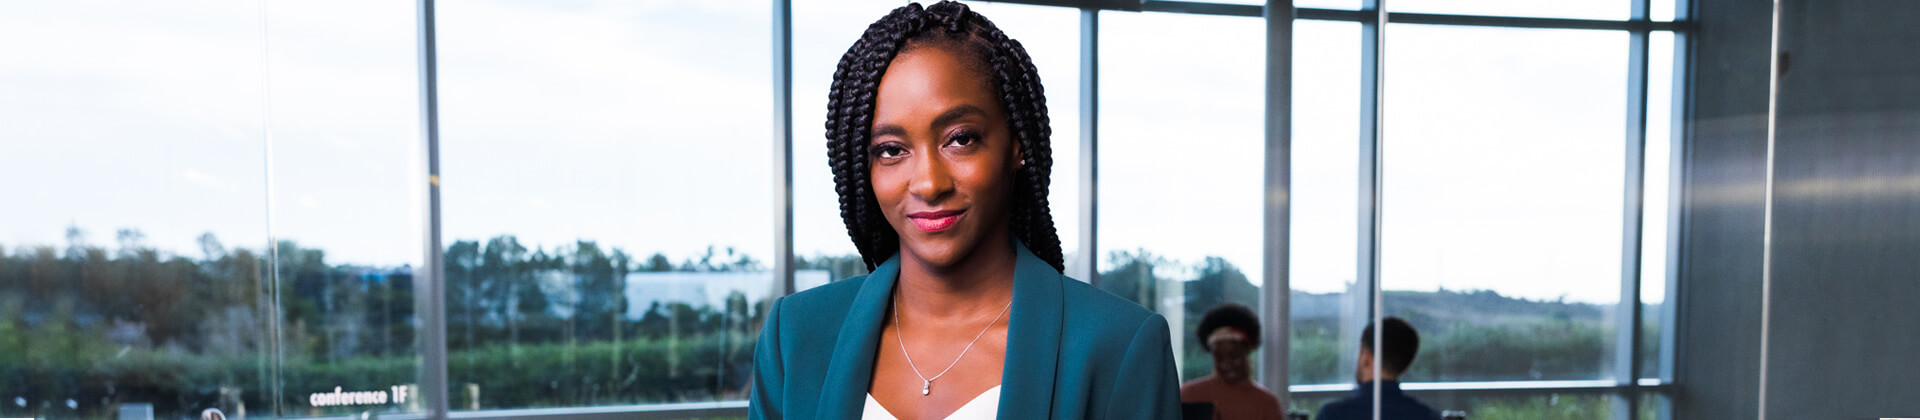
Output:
(964, 138)
(887, 150)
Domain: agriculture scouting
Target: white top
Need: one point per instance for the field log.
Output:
(982, 406)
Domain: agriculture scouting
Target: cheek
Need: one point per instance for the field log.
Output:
(888, 188)
(988, 175)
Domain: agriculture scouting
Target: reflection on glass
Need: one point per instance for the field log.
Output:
(823, 30)
(1502, 200)
(606, 199)
(1181, 167)
(346, 144)
(1552, 406)
(133, 243)
(1571, 9)
(1329, 306)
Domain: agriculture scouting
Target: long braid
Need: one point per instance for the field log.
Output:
(850, 107)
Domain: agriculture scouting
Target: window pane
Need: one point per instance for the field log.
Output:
(1181, 158)
(1571, 9)
(346, 204)
(1656, 224)
(1329, 306)
(133, 256)
(823, 30)
(1502, 199)
(607, 200)
(1663, 10)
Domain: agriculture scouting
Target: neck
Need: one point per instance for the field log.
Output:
(981, 283)
(1224, 379)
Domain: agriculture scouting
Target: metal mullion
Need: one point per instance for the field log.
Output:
(782, 21)
(1276, 285)
(1086, 267)
(1529, 22)
(1483, 388)
(1492, 21)
(430, 291)
(1676, 198)
(1200, 8)
(1372, 136)
(1627, 313)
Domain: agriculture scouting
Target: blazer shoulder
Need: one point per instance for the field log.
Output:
(1093, 306)
(837, 294)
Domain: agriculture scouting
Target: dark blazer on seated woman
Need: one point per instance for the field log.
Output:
(1073, 351)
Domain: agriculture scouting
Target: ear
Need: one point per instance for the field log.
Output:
(1019, 158)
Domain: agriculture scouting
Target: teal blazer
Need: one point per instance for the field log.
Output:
(1073, 351)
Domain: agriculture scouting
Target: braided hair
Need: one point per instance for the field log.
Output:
(850, 106)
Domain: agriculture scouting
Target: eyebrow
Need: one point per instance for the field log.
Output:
(945, 118)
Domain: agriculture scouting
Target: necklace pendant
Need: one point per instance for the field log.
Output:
(926, 387)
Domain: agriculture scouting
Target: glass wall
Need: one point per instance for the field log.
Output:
(606, 200)
(1329, 300)
(1503, 179)
(345, 221)
(224, 204)
(210, 210)
(1507, 166)
(1180, 180)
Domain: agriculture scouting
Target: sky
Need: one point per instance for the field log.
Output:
(646, 126)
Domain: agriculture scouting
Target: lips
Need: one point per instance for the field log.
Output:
(935, 221)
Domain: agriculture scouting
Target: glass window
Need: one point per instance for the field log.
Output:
(1656, 238)
(823, 30)
(344, 170)
(1502, 199)
(1571, 9)
(1182, 157)
(1329, 303)
(607, 200)
(133, 250)
(1664, 10)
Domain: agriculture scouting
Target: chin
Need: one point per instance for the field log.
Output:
(938, 254)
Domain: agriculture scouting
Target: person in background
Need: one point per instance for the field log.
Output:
(1398, 344)
(1231, 332)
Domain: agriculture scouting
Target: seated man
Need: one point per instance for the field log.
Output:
(1230, 332)
(1399, 343)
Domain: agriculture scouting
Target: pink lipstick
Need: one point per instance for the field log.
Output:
(935, 221)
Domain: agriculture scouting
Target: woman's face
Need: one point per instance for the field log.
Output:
(942, 157)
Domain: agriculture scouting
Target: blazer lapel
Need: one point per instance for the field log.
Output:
(844, 393)
(1033, 338)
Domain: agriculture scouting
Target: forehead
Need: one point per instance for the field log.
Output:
(927, 80)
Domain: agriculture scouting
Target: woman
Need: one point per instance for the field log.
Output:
(938, 138)
(1230, 332)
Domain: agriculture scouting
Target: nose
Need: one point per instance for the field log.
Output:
(931, 180)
